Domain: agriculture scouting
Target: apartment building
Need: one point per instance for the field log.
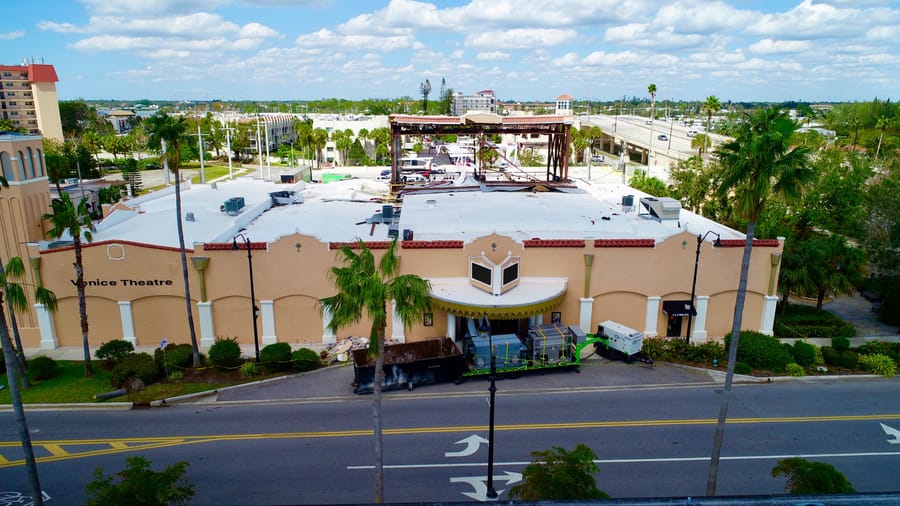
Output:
(481, 101)
(28, 99)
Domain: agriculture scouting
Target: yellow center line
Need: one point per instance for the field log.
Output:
(119, 445)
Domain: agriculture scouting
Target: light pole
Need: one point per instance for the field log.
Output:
(485, 330)
(693, 310)
(254, 310)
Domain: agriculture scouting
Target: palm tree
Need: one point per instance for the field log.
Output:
(701, 143)
(364, 289)
(710, 106)
(319, 141)
(167, 132)
(759, 162)
(882, 124)
(652, 91)
(67, 218)
(15, 298)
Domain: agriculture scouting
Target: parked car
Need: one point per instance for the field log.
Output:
(414, 178)
(662, 137)
(384, 176)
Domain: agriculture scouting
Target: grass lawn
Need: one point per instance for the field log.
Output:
(70, 385)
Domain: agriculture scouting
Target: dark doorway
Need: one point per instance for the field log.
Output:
(673, 327)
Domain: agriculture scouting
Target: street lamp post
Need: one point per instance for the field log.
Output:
(693, 310)
(485, 329)
(254, 310)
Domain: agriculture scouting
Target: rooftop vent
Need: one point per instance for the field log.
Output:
(627, 203)
(665, 208)
(189, 217)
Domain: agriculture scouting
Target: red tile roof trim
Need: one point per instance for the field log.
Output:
(432, 244)
(624, 243)
(554, 243)
(757, 243)
(219, 246)
(355, 244)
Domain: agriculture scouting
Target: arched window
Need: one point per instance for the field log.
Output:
(6, 162)
(22, 176)
(30, 161)
(40, 159)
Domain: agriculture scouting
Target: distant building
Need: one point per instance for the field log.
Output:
(564, 105)
(121, 120)
(481, 101)
(28, 98)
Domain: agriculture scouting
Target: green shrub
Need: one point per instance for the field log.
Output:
(705, 353)
(176, 376)
(42, 368)
(801, 322)
(114, 351)
(225, 353)
(304, 359)
(846, 359)
(880, 348)
(140, 485)
(793, 369)
(179, 356)
(136, 364)
(742, 368)
(760, 351)
(276, 356)
(879, 364)
(840, 343)
(249, 369)
(805, 477)
(804, 353)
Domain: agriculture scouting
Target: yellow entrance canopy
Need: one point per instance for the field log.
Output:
(532, 296)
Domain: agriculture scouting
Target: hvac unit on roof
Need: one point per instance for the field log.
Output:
(664, 208)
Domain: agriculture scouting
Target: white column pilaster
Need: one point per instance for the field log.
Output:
(397, 330)
(699, 330)
(768, 316)
(207, 328)
(48, 331)
(267, 308)
(652, 317)
(586, 313)
(127, 322)
(328, 336)
(451, 326)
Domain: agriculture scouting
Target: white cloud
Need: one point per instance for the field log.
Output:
(60, 27)
(12, 35)
(702, 17)
(327, 38)
(769, 46)
(258, 31)
(518, 38)
(492, 55)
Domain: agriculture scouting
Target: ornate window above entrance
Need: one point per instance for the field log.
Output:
(494, 278)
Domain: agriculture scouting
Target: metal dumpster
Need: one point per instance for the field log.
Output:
(409, 364)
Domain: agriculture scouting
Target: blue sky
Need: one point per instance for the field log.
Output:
(768, 50)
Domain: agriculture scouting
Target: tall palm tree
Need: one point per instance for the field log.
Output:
(168, 133)
(882, 124)
(364, 289)
(759, 162)
(652, 91)
(67, 218)
(15, 298)
(319, 141)
(710, 106)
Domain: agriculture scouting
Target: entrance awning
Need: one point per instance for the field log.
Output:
(532, 296)
(678, 308)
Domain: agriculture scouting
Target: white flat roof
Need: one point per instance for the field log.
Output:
(337, 212)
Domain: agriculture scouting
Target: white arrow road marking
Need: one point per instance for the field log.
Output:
(890, 431)
(479, 484)
(472, 443)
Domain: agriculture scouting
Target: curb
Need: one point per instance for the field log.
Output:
(86, 406)
(719, 376)
(210, 393)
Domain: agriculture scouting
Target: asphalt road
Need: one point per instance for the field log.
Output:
(651, 439)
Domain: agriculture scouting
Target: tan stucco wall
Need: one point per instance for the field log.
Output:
(622, 278)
